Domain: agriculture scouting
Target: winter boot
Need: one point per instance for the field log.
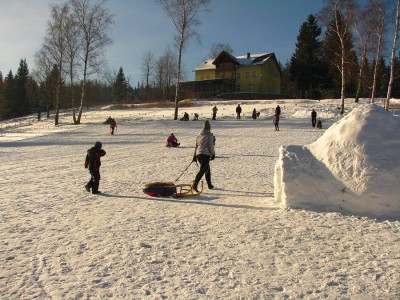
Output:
(194, 187)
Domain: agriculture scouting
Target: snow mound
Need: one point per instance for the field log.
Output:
(354, 167)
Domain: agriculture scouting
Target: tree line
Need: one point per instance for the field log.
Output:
(339, 53)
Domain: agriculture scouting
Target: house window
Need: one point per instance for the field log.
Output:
(238, 88)
(250, 87)
(247, 75)
(254, 74)
(208, 77)
(237, 75)
(202, 78)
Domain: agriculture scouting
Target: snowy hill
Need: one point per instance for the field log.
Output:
(353, 167)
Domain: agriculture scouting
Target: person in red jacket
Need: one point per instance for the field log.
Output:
(93, 163)
(172, 141)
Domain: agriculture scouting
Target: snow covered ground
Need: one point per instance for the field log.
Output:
(235, 242)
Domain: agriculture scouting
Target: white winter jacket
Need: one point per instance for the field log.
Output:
(205, 143)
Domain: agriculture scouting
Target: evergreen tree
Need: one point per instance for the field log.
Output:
(1, 82)
(305, 64)
(120, 87)
(382, 78)
(338, 51)
(18, 99)
(396, 82)
(2, 98)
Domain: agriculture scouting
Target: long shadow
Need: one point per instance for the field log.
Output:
(247, 192)
(201, 201)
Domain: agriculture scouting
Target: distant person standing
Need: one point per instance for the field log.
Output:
(276, 122)
(254, 114)
(93, 163)
(214, 112)
(238, 112)
(278, 111)
(313, 118)
(113, 126)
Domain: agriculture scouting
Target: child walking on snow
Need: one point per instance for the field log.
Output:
(93, 163)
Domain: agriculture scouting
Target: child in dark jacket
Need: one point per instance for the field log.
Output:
(276, 122)
(93, 163)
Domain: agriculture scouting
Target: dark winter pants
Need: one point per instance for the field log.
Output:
(204, 161)
(313, 121)
(94, 180)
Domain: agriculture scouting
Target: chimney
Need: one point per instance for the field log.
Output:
(248, 55)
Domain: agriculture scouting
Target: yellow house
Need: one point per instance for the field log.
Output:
(251, 73)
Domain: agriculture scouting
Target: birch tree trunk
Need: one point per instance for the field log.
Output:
(392, 59)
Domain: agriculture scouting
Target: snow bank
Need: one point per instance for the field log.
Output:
(353, 167)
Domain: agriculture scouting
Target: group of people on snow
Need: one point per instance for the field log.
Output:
(204, 152)
(204, 149)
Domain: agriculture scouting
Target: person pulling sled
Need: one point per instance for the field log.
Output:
(203, 153)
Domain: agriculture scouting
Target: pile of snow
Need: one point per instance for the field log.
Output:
(354, 167)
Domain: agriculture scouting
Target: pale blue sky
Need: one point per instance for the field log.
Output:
(256, 26)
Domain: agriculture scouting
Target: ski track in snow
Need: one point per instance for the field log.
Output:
(59, 242)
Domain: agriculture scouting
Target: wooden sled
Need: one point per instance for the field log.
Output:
(169, 189)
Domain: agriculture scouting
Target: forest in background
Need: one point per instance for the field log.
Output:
(339, 53)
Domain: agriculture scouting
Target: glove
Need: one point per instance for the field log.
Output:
(212, 157)
(194, 158)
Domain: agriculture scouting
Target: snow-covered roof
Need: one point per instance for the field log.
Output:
(206, 65)
(242, 60)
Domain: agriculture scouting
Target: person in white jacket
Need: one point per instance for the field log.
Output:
(203, 153)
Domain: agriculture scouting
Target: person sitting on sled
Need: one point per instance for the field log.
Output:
(172, 141)
(203, 153)
(93, 163)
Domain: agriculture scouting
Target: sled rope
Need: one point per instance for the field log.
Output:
(183, 171)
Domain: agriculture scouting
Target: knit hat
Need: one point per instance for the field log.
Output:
(207, 125)
(98, 145)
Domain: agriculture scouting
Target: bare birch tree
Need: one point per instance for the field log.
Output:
(164, 73)
(363, 32)
(378, 27)
(71, 56)
(339, 16)
(52, 53)
(94, 21)
(393, 56)
(217, 48)
(185, 17)
(147, 70)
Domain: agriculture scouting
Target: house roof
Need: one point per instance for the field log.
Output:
(206, 65)
(243, 60)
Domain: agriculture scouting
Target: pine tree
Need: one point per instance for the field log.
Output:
(305, 64)
(19, 104)
(1, 82)
(338, 50)
(120, 87)
(2, 98)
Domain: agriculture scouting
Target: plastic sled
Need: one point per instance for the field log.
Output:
(169, 189)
